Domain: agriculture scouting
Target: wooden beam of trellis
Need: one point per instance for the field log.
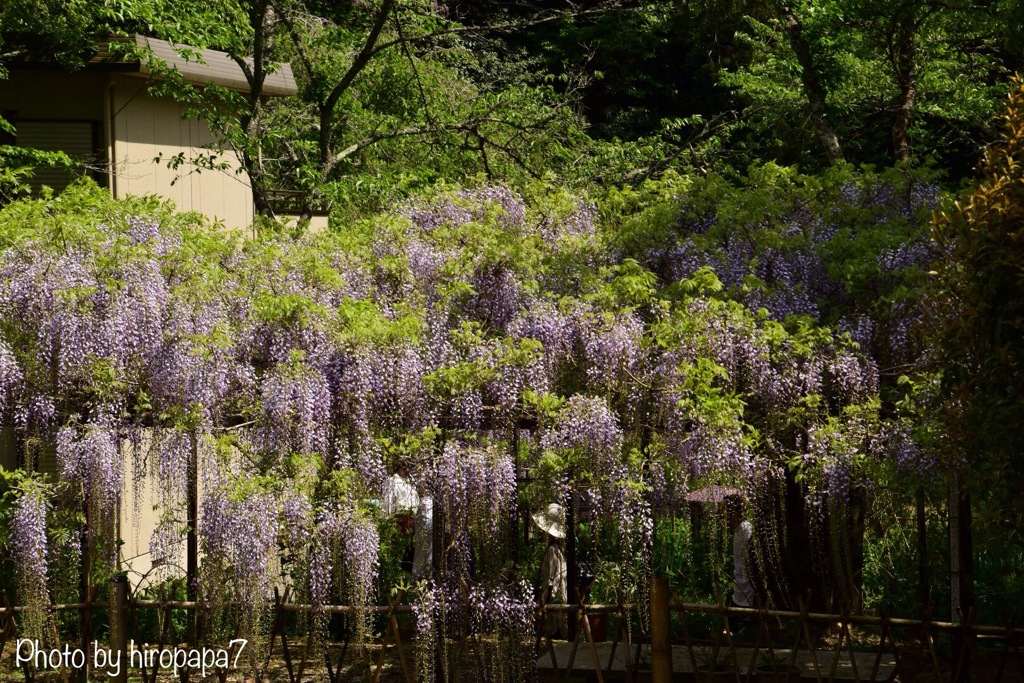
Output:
(624, 628)
(686, 635)
(286, 652)
(137, 631)
(332, 673)
(849, 645)
(572, 651)
(887, 635)
(7, 632)
(585, 621)
(844, 636)
(928, 639)
(542, 631)
(392, 629)
(727, 631)
(167, 633)
(615, 640)
(279, 619)
(583, 628)
(762, 629)
(965, 634)
(805, 630)
(305, 656)
(1011, 644)
(921, 630)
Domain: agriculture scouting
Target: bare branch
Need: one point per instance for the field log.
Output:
(296, 39)
(495, 28)
(363, 58)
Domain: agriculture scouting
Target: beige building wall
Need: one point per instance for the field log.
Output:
(130, 131)
(141, 512)
(148, 132)
(139, 516)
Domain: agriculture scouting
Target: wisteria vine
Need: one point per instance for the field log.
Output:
(310, 367)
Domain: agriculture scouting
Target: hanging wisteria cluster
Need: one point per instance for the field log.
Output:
(29, 553)
(239, 535)
(89, 457)
(344, 556)
(291, 376)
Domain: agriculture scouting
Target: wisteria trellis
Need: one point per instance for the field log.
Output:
(299, 370)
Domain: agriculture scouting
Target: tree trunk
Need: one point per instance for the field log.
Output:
(260, 198)
(253, 164)
(262, 20)
(813, 90)
(953, 522)
(906, 80)
(797, 551)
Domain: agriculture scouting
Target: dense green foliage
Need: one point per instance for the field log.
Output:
(398, 94)
(981, 281)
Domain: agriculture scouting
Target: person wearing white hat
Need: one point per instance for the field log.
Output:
(553, 570)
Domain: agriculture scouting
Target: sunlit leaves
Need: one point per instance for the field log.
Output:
(979, 310)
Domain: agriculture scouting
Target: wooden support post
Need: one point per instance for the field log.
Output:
(514, 531)
(961, 553)
(85, 591)
(953, 515)
(661, 641)
(572, 565)
(923, 579)
(438, 563)
(119, 628)
(192, 541)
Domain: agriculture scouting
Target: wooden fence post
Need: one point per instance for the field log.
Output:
(119, 627)
(661, 642)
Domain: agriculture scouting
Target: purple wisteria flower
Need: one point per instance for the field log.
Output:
(28, 544)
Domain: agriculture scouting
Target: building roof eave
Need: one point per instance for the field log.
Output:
(205, 68)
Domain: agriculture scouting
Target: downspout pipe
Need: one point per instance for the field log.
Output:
(108, 134)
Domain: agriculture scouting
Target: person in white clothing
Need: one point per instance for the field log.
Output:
(553, 569)
(402, 502)
(400, 496)
(743, 594)
(742, 588)
(742, 532)
(423, 555)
